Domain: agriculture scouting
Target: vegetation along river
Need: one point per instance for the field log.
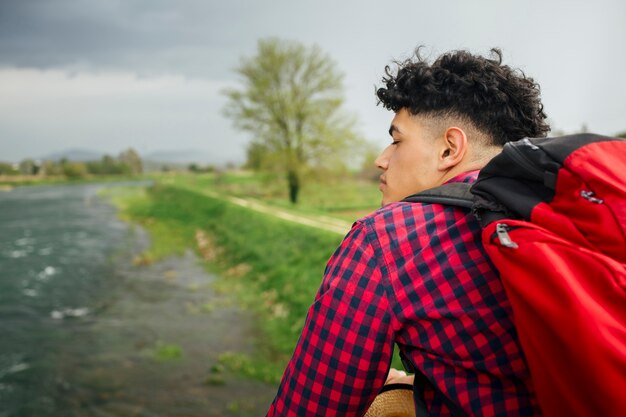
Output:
(87, 332)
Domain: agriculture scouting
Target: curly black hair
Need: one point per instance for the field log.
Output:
(501, 102)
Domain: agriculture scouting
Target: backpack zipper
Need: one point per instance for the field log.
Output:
(502, 231)
(590, 196)
(519, 157)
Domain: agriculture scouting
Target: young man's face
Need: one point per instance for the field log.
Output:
(409, 163)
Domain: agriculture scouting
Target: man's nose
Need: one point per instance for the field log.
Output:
(382, 161)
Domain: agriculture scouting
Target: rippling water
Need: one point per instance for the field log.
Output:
(57, 251)
(78, 320)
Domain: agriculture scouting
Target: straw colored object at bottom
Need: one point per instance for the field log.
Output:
(395, 400)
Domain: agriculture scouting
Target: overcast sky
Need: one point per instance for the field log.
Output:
(104, 75)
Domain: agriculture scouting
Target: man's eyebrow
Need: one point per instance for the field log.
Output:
(393, 128)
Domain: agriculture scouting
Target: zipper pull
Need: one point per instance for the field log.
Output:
(590, 195)
(502, 230)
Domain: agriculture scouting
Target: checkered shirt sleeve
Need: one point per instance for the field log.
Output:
(343, 354)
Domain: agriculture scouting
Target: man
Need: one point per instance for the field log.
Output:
(416, 274)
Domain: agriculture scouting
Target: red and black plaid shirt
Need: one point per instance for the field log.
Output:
(417, 275)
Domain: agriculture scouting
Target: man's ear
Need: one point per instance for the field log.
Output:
(454, 148)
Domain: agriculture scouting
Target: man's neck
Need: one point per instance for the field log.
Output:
(474, 161)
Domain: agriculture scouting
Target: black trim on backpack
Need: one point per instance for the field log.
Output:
(451, 194)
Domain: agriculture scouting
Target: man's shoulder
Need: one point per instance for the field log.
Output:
(385, 214)
(392, 218)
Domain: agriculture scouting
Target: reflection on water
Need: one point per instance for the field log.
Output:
(83, 329)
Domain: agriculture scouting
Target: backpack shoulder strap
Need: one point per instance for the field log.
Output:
(451, 194)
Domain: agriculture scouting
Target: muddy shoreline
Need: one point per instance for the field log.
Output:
(157, 345)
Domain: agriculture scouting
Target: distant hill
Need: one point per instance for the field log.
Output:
(154, 160)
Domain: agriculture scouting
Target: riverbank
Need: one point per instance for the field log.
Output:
(273, 266)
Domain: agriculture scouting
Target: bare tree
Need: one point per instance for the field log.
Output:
(131, 159)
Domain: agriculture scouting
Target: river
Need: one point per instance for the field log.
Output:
(86, 332)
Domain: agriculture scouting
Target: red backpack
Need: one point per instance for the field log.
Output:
(553, 212)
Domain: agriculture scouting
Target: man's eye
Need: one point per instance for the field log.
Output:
(395, 142)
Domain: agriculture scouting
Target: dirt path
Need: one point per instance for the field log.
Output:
(321, 222)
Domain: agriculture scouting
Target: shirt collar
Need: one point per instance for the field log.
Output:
(468, 177)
